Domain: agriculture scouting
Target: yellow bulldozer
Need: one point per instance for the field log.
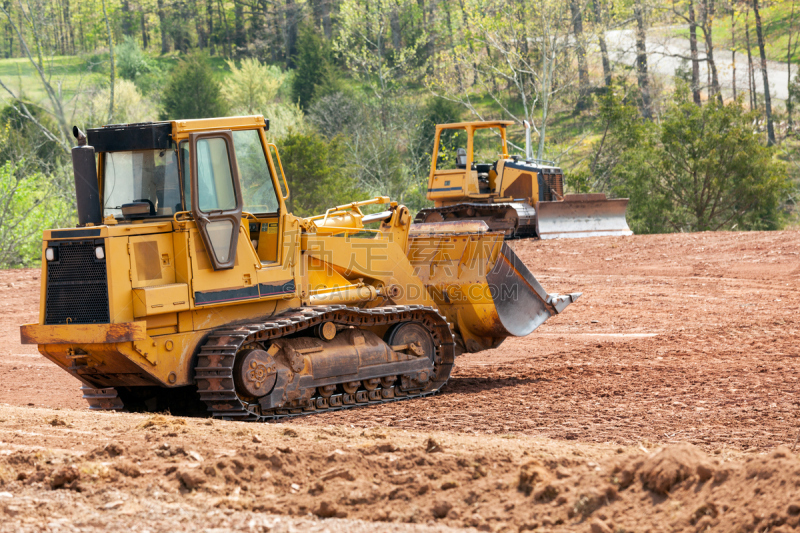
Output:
(473, 177)
(188, 285)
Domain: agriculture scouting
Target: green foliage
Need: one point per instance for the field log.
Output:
(315, 75)
(316, 174)
(192, 91)
(437, 111)
(251, 86)
(703, 169)
(22, 140)
(30, 203)
(131, 61)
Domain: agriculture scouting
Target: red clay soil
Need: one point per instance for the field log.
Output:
(160, 473)
(685, 338)
(677, 338)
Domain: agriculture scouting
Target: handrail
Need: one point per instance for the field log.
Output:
(175, 216)
(351, 206)
(280, 166)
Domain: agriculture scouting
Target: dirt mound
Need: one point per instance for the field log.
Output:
(489, 483)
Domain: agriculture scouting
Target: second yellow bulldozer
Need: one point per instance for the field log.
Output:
(188, 285)
(473, 177)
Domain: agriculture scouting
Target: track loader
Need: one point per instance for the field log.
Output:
(473, 178)
(188, 285)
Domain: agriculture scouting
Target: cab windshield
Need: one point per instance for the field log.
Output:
(149, 176)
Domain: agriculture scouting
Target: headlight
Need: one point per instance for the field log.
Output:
(99, 252)
(50, 254)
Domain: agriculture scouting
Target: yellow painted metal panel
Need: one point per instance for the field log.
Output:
(119, 280)
(152, 260)
(160, 299)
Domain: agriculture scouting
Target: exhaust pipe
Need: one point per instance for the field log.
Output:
(87, 190)
(528, 149)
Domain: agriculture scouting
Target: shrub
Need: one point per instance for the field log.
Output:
(703, 169)
(314, 169)
(315, 75)
(131, 61)
(192, 91)
(252, 86)
(32, 203)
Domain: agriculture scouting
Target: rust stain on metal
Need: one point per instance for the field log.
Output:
(82, 333)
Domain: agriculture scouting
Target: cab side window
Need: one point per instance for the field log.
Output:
(258, 189)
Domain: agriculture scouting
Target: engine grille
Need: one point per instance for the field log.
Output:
(77, 285)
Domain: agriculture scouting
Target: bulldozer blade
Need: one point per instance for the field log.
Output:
(582, 215)
(479, 283)
(520, 301)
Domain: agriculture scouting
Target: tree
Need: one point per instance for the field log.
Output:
(366, 44)
(642, 74)
(314, 68)
(762, 51)
(314, 169)
(703, 169)
(192, 91)
(514, 54)
(251, 86)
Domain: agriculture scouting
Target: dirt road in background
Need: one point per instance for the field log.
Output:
(677, 338)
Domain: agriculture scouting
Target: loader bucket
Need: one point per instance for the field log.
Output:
(582, 215)
(479, 283)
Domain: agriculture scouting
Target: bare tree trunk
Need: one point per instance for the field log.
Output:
(68, 22)
(111, 57)
(202, 41)
(459, 74)
(469, 41)
(708, 21)
(751, 78)
(224, 23)
(641, 60)
(291, 32)
(733, 46)
(162, 23)
(210, 25)
(580, 52)
(693, 52)
(789, 103)
(327, 28)
(145, 40)
(548, 63)
(600, 22)
(127, 27)
(762, 52)
(394, 27)
(238, 25)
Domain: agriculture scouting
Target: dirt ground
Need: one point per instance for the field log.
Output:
(684, 338)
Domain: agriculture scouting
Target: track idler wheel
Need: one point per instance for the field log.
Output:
(415, 337)
(254, 373)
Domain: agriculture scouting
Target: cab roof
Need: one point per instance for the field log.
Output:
(158, 135)
(476, 124)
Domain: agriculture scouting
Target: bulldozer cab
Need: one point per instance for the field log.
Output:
(465, 160)
(217, 174)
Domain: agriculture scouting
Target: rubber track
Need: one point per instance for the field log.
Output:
(214, 370)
